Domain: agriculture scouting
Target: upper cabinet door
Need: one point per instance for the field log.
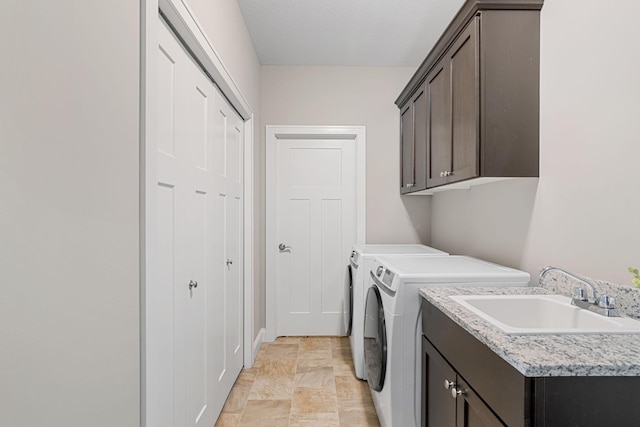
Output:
(413, 143)
(419, 102)
(463, 58)
(439, 151)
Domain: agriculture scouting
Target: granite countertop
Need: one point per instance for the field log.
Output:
(542, 355)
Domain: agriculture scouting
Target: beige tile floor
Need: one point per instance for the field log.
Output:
(300, 381)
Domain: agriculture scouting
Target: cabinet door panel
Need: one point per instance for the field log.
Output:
(438, 406)
(438, 125)
(407, 149)
(420, 138)
(463, 62)
(472, 411)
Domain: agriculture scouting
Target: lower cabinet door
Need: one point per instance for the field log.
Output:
(472, 411)
(438, 405)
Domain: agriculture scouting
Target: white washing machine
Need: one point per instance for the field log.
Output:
(356, 283)
(392, 329)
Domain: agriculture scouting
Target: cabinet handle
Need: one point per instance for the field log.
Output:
(192, 284)
(411, 184)
(441, 174)
(448, 384)
(456, 392)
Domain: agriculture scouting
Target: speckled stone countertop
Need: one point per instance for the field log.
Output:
(543, 355)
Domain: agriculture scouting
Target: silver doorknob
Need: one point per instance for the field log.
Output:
(229, 262)
(448, 384)
(284, 247)
(192, 284)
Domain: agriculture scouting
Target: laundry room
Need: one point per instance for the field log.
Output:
(319, 213)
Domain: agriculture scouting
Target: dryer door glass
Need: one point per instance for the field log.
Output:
(375, 340)
(347, 307)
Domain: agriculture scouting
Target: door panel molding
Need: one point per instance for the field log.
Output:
(278, 133)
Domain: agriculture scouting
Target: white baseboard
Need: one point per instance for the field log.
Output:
(256, 346)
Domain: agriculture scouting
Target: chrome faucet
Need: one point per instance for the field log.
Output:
(585, 296)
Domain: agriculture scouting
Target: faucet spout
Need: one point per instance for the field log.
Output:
(591, 296)
(603, 305)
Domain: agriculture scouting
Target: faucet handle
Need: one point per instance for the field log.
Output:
(605, 301)
(579, 293)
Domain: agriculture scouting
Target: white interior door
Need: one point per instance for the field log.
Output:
(193, 240)
(315, 211)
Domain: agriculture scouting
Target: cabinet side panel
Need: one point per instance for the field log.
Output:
(510, 92)
(582, 401)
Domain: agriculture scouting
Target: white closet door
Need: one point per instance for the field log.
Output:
(203, 294)
(228, 300)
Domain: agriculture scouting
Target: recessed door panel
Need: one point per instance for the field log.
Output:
(464, 103)
(331, 261)
(438, 126)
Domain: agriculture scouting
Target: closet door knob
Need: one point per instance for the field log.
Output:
(192, 284)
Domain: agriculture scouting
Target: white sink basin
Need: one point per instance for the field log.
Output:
(543, 314)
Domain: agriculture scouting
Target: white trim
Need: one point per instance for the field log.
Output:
(256, 344)
(180, 17)
(248, 242)
(150, 403)
(185, 24)
(273, 134)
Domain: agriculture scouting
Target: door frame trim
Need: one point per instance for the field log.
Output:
(182, 19)
(273, 134)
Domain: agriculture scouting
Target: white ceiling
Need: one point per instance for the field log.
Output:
(385, 33)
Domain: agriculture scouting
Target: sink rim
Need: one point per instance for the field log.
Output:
(616, 325)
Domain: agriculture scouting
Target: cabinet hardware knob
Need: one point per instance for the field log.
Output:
(448, 384)
(441, 174)
(410, 184)
(229, 262)
(456, 392)
(284, 247)
(192, 284)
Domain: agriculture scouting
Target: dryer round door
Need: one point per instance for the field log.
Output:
(347, 307)
(375, 340)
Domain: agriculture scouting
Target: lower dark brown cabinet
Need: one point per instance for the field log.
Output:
(490, 392)
(447, 400)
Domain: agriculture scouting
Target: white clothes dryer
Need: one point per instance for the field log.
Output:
(392, 329)
(356, 283)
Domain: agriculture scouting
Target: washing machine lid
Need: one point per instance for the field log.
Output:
(400, 249)
(451, 269)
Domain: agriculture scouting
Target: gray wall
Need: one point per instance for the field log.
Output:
(584, 212)
(69, 173)
(354, 96)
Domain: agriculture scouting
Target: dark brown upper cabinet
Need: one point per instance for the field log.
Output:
(413, 146)
(470, 114)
